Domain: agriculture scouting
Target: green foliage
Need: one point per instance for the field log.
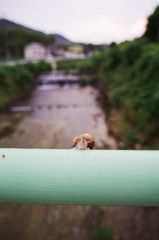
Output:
(98, 59)
(85, 66)
(22, 76)
(103, 233)
(43, 66)
(14, 79)
(113, 44)
(117, 95)
(15, 39)
(131, 137)
(39, 67)
(92, 48)
(113, 58)
(78, 64)
(67, 64)
(82, 81)
(138, 82)
(129, 72)
(130, 52)
(152, 28)
(4, 80)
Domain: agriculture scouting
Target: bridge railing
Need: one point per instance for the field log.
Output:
(98, 177)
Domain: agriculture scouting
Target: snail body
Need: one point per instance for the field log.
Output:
(83, 142)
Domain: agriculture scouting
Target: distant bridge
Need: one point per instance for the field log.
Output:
(61, 77)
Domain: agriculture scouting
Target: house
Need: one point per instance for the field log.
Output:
(75, 51)
(55, 50)
(34, 51)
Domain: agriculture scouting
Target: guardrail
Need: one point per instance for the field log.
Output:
(98, 177)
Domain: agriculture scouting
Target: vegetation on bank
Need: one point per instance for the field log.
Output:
(15, 79)
(129, 75)
(73, 64)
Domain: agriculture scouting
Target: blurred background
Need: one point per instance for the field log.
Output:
(73, 67)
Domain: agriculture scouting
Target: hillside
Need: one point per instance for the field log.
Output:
(7, 24)
(60, 39)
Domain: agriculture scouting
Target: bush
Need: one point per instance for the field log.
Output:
(70, 64)
(23, 76)
(82, 81)
(130, 52)
(152, 26)
(44, 66)
(113, 57)
(39, 67)
(85, 66)
(103, 233)
(129, 72)
(117, 96)
(4, 80)
(15, 79)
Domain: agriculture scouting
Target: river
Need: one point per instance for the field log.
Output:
(50, 118)
(59, 114)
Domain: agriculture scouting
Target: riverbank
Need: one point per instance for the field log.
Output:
(118, 127)
(128, 74)
(8, 122)
(17, 81)
(122, 130)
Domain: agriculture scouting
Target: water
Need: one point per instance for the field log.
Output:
(56, 114)
(52, 116)
(42, 126)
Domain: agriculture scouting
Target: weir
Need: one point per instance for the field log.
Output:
(59, 77)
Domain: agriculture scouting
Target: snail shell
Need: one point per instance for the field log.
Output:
(83, 142)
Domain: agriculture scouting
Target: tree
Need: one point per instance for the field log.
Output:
(17, 38)
(152, 27)
(113, 44)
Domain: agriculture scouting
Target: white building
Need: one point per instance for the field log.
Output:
(34, 52)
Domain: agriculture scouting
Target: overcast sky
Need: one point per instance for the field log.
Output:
(95, 21)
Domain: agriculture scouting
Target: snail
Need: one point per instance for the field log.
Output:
(83, 142)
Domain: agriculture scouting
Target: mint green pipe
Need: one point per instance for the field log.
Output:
(98, 177)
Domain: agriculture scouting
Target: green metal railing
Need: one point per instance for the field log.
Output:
(98, 177)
